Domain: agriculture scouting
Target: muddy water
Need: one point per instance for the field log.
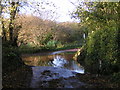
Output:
(54, 69)
(61, 59)
(47, 70)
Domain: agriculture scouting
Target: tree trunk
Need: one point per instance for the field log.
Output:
(3, 32)
(13, 12)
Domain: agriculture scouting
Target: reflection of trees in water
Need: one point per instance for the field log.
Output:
(63, 60)
(43, 63)
(58, 61)
(37, 60)
(73, 65)
(43, 60)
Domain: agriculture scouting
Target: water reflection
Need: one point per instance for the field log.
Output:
(59, 61)
(62, 60)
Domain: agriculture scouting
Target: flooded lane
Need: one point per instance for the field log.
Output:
(61, 59)
(55, 69)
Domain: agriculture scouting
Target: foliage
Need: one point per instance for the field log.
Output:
(101, 20)
(52, 44)
(9, 11)
(36, 32)
(116, 77)
(11, 59)
(69, 32)
(32, 31)
(102, 47)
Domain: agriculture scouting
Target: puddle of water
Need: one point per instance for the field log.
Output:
(61, 59)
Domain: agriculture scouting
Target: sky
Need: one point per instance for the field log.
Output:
(64, 9)
(65, 6)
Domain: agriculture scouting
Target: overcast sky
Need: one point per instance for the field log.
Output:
(64, 9)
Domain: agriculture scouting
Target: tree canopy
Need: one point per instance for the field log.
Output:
(101, 22)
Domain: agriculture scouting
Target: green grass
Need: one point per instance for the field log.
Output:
(45, 48)
(69, 46)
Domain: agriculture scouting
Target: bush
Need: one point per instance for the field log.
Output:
(52, 44)
(11, 59)
(102, 46)
(116, 77)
